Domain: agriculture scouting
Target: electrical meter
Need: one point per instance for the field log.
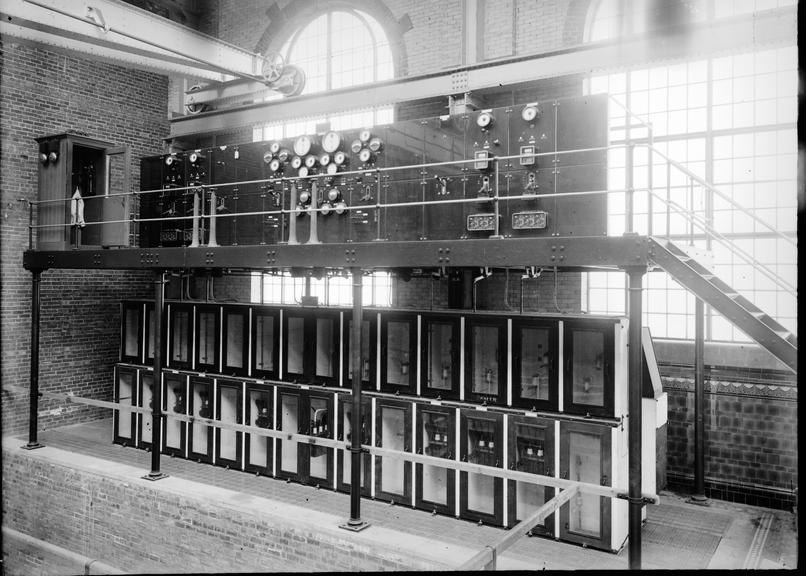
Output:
(195, 157)
(332, 169)
(375, 144)
(302, 172)
(310, 161)
(324, 159)
(302, 145)
(267, 156)
(283, 154)
(365, 155)
(333, 194)
(274, 147)
(484, 120)
(169, 160)
(364, 135)
(331, 142)
(274, 165)
(530, 112)
(339, 158)
(304, 197)
(296, 162)
(356, 146)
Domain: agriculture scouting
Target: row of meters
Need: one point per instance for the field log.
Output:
(565, 364)
(576, 450)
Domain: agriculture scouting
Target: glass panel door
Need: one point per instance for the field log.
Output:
(265, 344)
(289, 422)
(295, 346)
(441, 370)
(436, 437)
(585, 465)
(228, 444)
(236, 340)
(399, 358)
(207, 338)
(259, 413)
(320, 426)
(394, 426)
(175, 393)
(124, 394)
(132, 332)
(325, 348)
(180, 318)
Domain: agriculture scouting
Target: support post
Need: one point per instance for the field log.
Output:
(630, 191)
(635, 497)
(194, 240)
(156, 398)
(355, 523)
(212, 241)
(699, 497)
(33, 397)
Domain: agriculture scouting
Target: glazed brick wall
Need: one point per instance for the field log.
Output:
(141, 528)
(44, 93)
(751, 446)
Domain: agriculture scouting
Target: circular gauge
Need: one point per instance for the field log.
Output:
(326, 208)
(310, 161)
(274, 165)
(169, 160)
(324, 159)
(296, 162)
(332, 169)
(302, 145)
(195, 157)
(484, 120)
(274, 147)
(304, 197)
(331, 142)
(365, 135)
(339, 157)
(364, 155)
(529, 113)
(355, 146)
(333, 194)
(267, 156)
(341, 207)
(283, 154)
(302, 172)
(375, 144)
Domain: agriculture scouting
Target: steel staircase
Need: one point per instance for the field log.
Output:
(758, 325)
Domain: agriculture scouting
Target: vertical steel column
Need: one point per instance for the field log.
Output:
(699, 497)
(33, 396)
(635, 498)
(156, 398)
(628, 175)
(355, 523)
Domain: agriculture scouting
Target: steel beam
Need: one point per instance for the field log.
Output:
(125, 34)
(567, 252)
(709, 38)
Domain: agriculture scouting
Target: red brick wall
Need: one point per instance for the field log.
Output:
(45, 93)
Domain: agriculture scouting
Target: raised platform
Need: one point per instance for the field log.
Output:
(85, 494)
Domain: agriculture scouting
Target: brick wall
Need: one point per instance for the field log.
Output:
(751, 446)
(45, 93)
(178, 526)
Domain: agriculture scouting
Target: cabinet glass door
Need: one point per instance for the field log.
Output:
(145, 399)
(326, 349)
(228, 410)
(393, 480)
(319, 418)
(132, 333)
(259, 413)
(482, 495)
(436, 437)
(346, 433)
(201, 404)
(207, 338)
(441, 375)
(150, 334)
(485, 374)
(368, 347)
(531, 449)
(125, 387)
(265, 343)
(295, 347)
(589, 368)
(289, 421)
(534, 372)
(399, 357)
(180, 318)
(236, 341)
(174, 392)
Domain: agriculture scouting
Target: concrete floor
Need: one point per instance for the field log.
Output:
(676, 534)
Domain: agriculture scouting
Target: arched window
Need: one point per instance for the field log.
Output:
(730, 119)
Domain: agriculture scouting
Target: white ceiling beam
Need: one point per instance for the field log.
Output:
(109, 28)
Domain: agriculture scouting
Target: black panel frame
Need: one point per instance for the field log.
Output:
(243, 311)
(419, 501)
(380, 494)
(198, 364)
(501, 397)
(274, 313)
(131, 440)
(173, 308)
(252, 420)
(607, 328)
(139, 308)
(453, 392)
(227, 462)
(206, 384)
(546, 528)
(497, 517)
(411, 320)
(552, 403)
(167, 379)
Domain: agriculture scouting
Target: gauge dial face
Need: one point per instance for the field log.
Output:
(303, 171)
(274, 147)
(169, 160)
(302, 145)
(355, 146)
(304, 197)
(283, 154)
(324, 159)
(339, 157)
(296, 162)
(332, 169)
(375, 144)
(267, 157)
(310, 161)
(333, 194)
(194, 157)
(365, 155)
(484, 120)
(364, 135)
(326, 208)
(529, 113)
(274, 165)
(331, 142)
